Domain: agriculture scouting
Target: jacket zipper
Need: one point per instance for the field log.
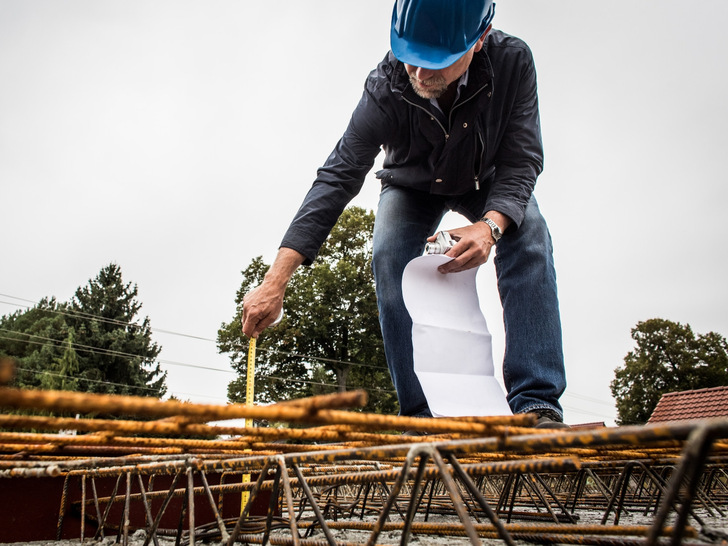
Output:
(449, 117)
(459, 104)
(429, 114)
(449, 123)
(480, 138)
(479, 159)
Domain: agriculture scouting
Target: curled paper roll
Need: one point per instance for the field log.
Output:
(453, 354)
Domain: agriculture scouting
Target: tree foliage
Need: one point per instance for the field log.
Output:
(329, 339)
(669, 357)
(93, 343)
(62, 374)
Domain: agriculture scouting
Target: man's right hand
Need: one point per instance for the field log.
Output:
(262, 305)
(261, 308)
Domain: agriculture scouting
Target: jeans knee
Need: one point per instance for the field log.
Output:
(388, 280)
(535, 232)
(530, 244)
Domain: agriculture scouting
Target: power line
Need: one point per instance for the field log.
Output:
(108, 352)
(85, 379)
(321, 358)
(589, 399)
(262, 349)
(307, 382)
(273, 377)
(113, 322)
(587, 412)
(270, 351)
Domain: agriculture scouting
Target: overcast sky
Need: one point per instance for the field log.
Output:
(177, 139)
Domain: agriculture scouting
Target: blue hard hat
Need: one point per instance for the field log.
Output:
(435, 33)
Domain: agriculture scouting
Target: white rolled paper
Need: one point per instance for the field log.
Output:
(453, 355)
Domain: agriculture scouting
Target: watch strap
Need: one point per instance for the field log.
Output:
(494, 229)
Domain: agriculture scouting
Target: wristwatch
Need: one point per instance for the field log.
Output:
(494, 229)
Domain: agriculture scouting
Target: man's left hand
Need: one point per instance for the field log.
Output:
(474, 244)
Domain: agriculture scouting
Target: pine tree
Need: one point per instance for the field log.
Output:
(120, 356)
(94, 343)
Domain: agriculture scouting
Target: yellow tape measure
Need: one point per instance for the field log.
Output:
(250, 380)
(249, 398)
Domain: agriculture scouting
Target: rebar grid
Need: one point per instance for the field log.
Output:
(353, 478)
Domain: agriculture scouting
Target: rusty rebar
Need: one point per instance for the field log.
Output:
(353, 465)
(64, 401)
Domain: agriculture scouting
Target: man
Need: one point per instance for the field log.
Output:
(455, 108)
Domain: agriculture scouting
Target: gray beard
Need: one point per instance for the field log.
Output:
(429, 93)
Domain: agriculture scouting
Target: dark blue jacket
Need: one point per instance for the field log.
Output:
(491, 141)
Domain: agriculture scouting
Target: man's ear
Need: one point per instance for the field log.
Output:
(479, 43)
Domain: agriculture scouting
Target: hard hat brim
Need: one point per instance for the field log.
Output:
(422, 55)
(417, 53)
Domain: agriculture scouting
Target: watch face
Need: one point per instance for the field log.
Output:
(495, 230)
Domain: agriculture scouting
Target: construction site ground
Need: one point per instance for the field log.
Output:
(138, 537)
(152, 472)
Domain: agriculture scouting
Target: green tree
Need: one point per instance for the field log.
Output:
(329, 339)
(668, 358)
(122, 358)
(93, 343)
(34, 337)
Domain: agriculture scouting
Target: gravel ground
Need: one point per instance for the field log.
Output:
(714, 522)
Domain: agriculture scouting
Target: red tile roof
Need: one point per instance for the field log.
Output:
(697, 404)
(596, 424)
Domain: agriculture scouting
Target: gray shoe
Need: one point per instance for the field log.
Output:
(549, 419)
(415, 433)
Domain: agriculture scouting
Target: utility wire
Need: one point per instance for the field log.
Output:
(588, 399)
(114, 322)
(88, 349)
(307, 382)
(273, 377)
(110, 352)
(260, 349)
(107, 352)
(84, 379)
(125, 324)
(587, 412)
(61, 343)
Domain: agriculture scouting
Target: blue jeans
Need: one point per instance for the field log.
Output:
(533, 364)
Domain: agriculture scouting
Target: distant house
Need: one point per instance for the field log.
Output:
(697, 404)
(587, 426)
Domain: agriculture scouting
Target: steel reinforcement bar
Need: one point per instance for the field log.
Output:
(354, 479)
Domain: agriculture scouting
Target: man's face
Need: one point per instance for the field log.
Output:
(431, 84)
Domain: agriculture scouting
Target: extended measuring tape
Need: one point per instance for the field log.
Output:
(249, 398)
(250, 379)
(249, 394)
